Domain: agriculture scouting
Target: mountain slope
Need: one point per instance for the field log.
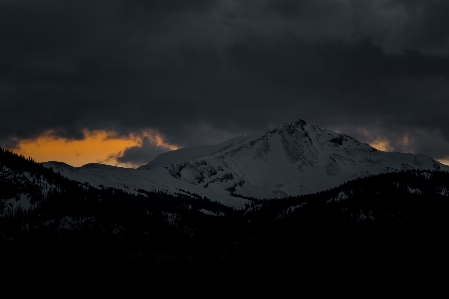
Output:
(132, 180)
(289, 159)
(43, 207)
(191, 153)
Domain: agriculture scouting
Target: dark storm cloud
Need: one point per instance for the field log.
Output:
(139, 155)
(203, 71)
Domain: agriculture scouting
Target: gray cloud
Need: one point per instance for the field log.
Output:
(203, 71)
(139, 155)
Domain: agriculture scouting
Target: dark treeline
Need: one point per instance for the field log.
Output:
(384, 233)
(371, 234)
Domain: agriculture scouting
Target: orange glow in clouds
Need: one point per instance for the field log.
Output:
(96, 147)
(443, 161)
(382, 145)
(378, 142)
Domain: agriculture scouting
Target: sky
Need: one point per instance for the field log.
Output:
(121, 81)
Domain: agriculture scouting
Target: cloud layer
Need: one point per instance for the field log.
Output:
(202, 71)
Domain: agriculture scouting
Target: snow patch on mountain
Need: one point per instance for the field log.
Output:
(290, 210)
(72, 224)
(341, 196)
(362, 216)
(413, 190)
(208, 212)
(10, 205)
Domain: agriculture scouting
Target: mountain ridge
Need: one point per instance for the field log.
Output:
(288, 159)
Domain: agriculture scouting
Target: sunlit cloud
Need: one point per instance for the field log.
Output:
(378, 142)
(444, 161)
(156, 140)
(381, 144)
(96, 147)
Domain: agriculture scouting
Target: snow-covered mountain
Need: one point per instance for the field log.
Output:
(292, 158)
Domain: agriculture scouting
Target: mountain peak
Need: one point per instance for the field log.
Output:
(292, 158)
(297, 123)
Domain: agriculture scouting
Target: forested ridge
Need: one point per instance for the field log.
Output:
(375, 232)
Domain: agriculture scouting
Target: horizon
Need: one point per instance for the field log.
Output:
(48, 148)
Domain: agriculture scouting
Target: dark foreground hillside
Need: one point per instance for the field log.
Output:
(370, 235)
